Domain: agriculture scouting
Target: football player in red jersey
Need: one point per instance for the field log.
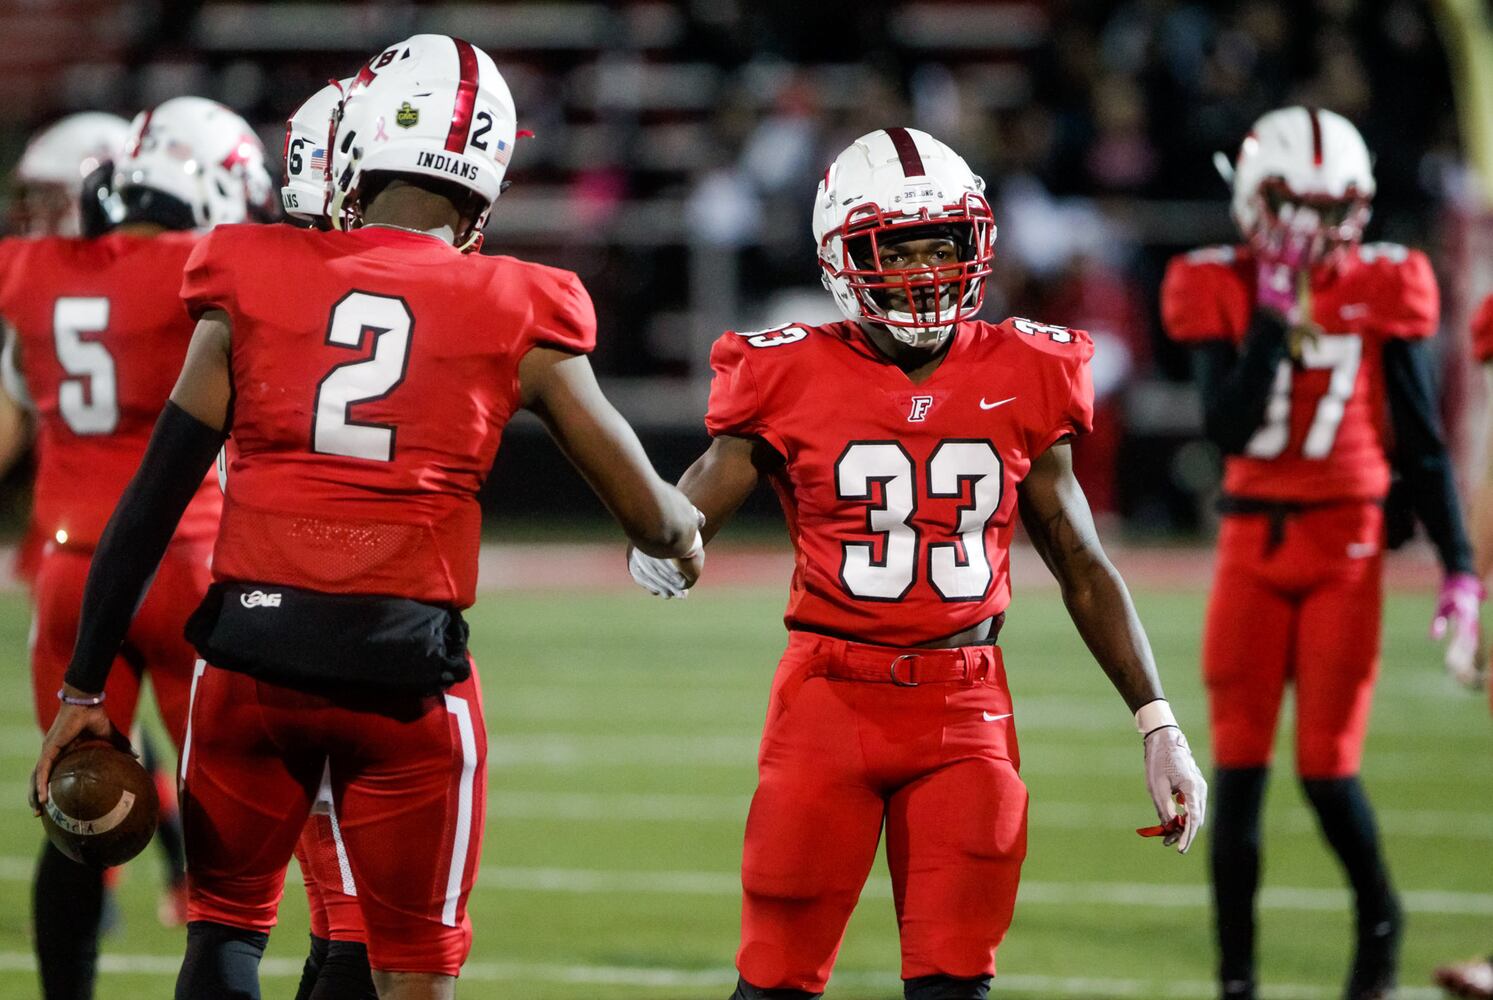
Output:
(1309, 347)
(366, 375)
(1474, 979)
(903, 443)
(97, 325)
(336, 966)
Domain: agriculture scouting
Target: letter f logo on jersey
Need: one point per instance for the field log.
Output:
(920, 407)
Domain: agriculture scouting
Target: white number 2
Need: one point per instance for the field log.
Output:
(1340, 352)
(89, 401)
(954, 576)
(390, 322)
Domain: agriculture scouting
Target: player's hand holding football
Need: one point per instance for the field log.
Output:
(75, 720)
(1456, 616)
(1172, 777)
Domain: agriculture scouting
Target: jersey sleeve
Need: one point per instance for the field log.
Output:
(1482, 331)
(735, 406)
(1399, 287)
(1203, 297)
(1074, 392)
(565, 318)
(205, 282)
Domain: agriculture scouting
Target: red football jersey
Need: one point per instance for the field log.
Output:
(901, 498)
(373, 374)
(102, 336)
(1482, 331)
(1323, 433)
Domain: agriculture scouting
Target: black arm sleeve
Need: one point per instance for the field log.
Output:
(1235, 383)
(1420, 454)
(181, 451)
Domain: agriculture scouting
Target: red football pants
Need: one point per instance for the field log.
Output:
(1303, 611)
(839, 760)
(154, 642)
(331, 890)
(408, 779)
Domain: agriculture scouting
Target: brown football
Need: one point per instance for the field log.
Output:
(101, 805)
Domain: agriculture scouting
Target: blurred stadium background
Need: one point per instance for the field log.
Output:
(675, 154)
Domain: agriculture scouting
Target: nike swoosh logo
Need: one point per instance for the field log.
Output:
(1354, 310)
(995, 718)
(990, 406)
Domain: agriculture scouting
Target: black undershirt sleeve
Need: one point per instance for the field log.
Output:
(181, 451)
(1235, 382)
(1420, 454)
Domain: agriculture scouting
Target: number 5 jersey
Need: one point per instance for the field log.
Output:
(901, 497)
(98, 340)
(373, 374)
(1323, 436)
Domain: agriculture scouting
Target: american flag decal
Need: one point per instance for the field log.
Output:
(318, 162)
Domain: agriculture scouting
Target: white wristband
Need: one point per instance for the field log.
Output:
(697, 547)
(1153, 715)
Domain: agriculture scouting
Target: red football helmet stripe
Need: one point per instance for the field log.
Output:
(1316, 136)
(466, 96)
(134, 145)
(907, 151)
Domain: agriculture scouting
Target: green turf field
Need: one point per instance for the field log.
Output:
(622, 754)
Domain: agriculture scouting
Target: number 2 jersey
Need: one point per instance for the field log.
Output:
(1323, 434)
(373, 374)
(900, 497)
(101, 335)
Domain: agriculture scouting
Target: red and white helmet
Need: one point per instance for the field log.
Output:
(307, 191)
(433, 106)
(894, 183)
(1308, 158)
(200, 153)
(49, 177)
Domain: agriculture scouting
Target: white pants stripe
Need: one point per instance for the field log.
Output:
(324, 804)
(198, 669)
(462, 712)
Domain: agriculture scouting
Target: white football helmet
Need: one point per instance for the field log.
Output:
(307, 191)
(200, 153)
(1307, 157)
(894, 183)
(49, 177)
(431, 105)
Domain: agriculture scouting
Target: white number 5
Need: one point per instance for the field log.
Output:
(89, 402)
(390, 322)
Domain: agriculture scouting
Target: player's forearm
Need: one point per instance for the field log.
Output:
(1101, 609)
(181, 451)
(1421, 454)
(1235, 385)
(719, 481)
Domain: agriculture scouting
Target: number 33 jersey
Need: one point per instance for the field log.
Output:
(1323, 433)
(99, 338)
(373, 374)
(901, 497)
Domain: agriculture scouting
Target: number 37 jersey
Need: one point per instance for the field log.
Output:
(1323, 433)
(100, 335)
(901, 497)
(373, 374)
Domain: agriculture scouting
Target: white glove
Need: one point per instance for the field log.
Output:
(661, 577)
(1172, 777)
(1457, 616)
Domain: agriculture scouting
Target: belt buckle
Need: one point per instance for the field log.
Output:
(898, 680)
